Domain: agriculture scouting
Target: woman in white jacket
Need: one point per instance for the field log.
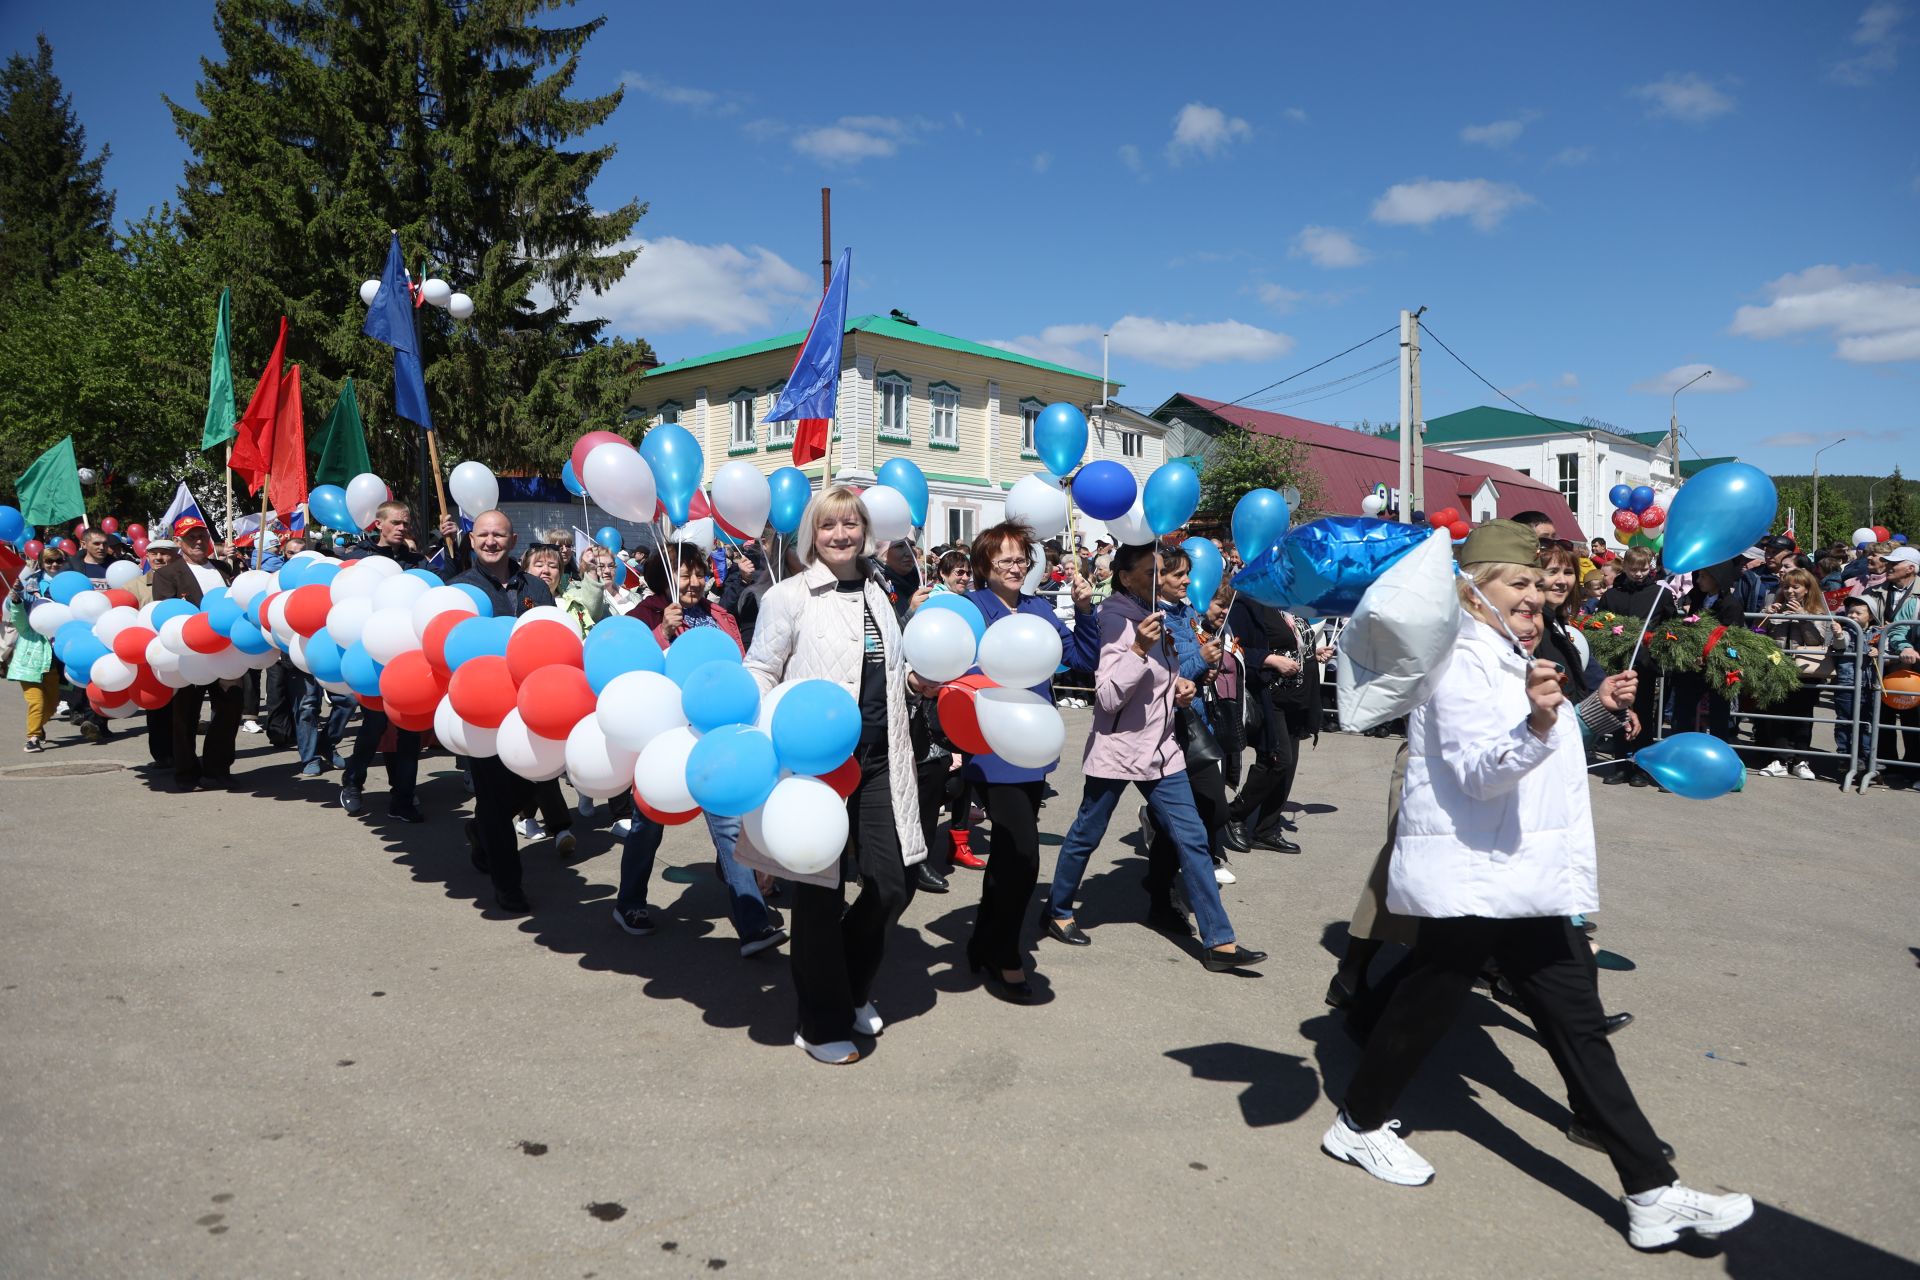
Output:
(1494, 850)
(833, 622)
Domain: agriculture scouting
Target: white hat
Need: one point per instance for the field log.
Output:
(1903, 555)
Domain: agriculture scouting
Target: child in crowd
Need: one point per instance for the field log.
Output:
(1592, 587)
(1857, 662)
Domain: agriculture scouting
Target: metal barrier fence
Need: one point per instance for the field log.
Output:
(1887, 728)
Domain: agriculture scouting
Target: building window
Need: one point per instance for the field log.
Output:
(740, 437)
(943, 399)
(1132, 444)
(893, 389)
(1029, 418)
(670, 411)
(960, 524)
(1570, 479)
(779, 434)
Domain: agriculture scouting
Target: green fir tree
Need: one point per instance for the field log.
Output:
(53, 209)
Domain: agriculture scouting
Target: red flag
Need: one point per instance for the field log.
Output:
(288, 488)
(810, 440)
(253, 435)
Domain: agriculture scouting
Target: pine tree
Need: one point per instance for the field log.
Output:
(1895, 511)
(53, 209)
(326, 122)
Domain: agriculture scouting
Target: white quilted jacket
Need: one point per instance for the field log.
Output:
(809, 631)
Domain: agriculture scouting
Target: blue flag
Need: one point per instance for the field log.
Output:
(813, 388)
(390, 319)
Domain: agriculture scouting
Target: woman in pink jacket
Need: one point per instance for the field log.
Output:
(1136, 691)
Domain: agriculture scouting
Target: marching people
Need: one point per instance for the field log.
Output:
(32, 665)
(1493, 850)
(392, 522)
(189, 578)
(1283, 694)
(1137, 692)
(833, 622)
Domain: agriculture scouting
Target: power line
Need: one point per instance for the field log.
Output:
(1340, 391)
(1295, 395)
(1427, 328)
(1310, 368)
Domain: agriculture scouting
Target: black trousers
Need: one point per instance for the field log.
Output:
(933, 779)
(1210, 798)
(284, 685)
(836, 949)
(403, 762)
(1688, 691)
(1646, 705)
(1013, 868)
(1896, 725)
(160, 734)
(498, 794)
(1270, 781)
(213, 759)
(546, 800)
(1788, 737)
(1549, 964)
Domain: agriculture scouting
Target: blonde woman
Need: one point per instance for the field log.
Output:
(834, 622)
(1814, 644)
(1493, 849)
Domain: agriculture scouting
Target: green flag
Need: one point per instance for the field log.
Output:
(220, 411)
(49, 492)
(343, 443)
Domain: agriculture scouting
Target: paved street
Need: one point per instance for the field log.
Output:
(245, 1035)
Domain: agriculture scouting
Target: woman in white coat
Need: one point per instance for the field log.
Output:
(1494, 849)
(833, 622)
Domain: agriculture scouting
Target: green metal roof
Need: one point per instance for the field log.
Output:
(1647, 437)
(1687, 469)
(886, 327)
(1488, 423)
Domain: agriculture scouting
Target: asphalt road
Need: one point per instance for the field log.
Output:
(245, 1035)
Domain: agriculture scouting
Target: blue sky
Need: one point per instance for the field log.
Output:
(1586, 200)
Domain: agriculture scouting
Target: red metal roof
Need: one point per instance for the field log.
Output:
(1350, 464)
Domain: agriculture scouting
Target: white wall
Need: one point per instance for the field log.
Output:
(1604, 462)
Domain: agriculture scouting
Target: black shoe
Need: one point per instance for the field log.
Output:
(1020, 992)
(513, 902)
(776, 918)
(634, 920)
(1272, 839)
(1618, 1021)
(216, 782)
(1339, 994)
(1235, 838)
(408, 813)
(1223, 961)
(766, 940)
(1164, 916)
(1640, 780)
(350, 801)
(1068, 932)
(929, 880)
(1617, 778)
(1581, 1136)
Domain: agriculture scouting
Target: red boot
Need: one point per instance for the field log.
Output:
(962, 855)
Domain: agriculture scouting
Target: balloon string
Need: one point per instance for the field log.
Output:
(1643, 627)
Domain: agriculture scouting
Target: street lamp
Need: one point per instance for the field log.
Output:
(1816, 488)
(1673, 421)
(1870, 488)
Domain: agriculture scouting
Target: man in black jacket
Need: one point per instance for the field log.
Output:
(189, 578)
(1638, 593)
(392, 521)
(1282, 680)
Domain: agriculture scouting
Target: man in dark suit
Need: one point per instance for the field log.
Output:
(394, 520)
(189, 578)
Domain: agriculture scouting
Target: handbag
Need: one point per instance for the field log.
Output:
(1196, 740)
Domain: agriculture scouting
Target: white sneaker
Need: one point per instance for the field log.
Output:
(564, 842)
(529, 828)
(622, 828)
(1680, 1208)
(867, 1020)
(1804, 771)
(1380, 1152)
(835, 1053)
(1221, 875)
(249, 726)
(1774, 770)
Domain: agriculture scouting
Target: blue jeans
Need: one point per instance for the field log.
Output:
(315, 742)
(745, 906)
(1843, 707)
(1170, 801)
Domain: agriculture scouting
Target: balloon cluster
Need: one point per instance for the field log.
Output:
(351, 509)
(1635, 517)
(1453, 520)
(1324, 566)
(1134, 514)
(996, 709)
(1867, 535)
(434, 292)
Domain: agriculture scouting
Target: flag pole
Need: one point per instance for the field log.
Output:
(826, 283)
(229, 492)
(440, 488)
(260, 534)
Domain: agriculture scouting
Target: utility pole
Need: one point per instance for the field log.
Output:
(1673, 423)
(1419, 420)
(1412, 482)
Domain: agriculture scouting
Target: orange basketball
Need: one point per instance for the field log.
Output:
(1901, 690)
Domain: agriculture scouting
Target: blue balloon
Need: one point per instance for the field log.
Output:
(12, 524)
(1104, 490)
(221, 610)
(1060, 438)
(609, 537)
(1171, 495)
(1621, 496)
(481, 600)
(1900, 538)
(1203, 575)
(327, 503)
(1697, 766)
(695, 648)
(477, 637)
(732, 770)
(676, 460)
(1716, 515)
(616, 646)
(178, 608)
(294, 574)
(964, 607)
(427, 576)
(359, 671)
(816, 726)
(1640, 499)
(720, 693)
(248, 638)
(906, 478)
(68, 585)
(81, 655)
(1259, 519)
(571, 481)
(791, 492)
(66, 636)
(1323, 567)
(323, 656)
(322, 572)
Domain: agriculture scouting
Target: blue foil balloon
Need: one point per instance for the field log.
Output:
(720, 693)
(957, 603)
(1060, 438)
(695, 648)
(1259, 519)
(816, 726)
(1640, 499)
(1104, 490)
(904, 477)
(1171, 495)
(676, 460)
(1323, 567)
(616, 646)
(1697, 766)
(609, 537)
(1621, 496)
(1716, 515)
(732, 770)
(1203, 574)
(569, 481)
(791, 492)
(327, 503)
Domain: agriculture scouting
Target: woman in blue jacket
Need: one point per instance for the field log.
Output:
(1002, 555)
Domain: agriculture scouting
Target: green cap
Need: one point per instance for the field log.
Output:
(1499, 542)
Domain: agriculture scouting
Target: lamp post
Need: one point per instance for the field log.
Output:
(1816, 488)
(1870, 490)
(1673, 422)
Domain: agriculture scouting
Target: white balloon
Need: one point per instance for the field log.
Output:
(172, 677)
(90, 606)
(436, 292)
(1372, 505)
(231, 663)
(768, 701)
(381, 567)
(474, 488)
(259, 661)
(1400, 638)
(49, 617)
(617, 478)
(369, 290)
(297, 652)
(337, 686)
(365, 493)
(546, 613)
(1036, 573)
(742, 497)
(249, 584)
(459, 306)
(938, 644)
(160, 658)
(1023, 728)
(436, 601)
(526, 753)
(1132, 529)
(354, 582)
(399, 592)
(388, 634)
(114, 621)
(122, 711)
(121, 573)
(1020, 651)
(1861, 535)
(112, 674)
(802, 826)
(348, 619)
(696, 533)
(198, 668)
(170, 633)
(595, 766)
(660, 774)
(449, 728)
(146, 614)
(638, 706)
(887, 514)
(481, 742)
(1040, 503)
(279, 630)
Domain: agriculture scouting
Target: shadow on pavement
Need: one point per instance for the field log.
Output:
(1775, 1243)
(1281, 1087)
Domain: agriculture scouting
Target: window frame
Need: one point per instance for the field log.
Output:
(779, 434)
(1133, 444)
(669, 412)
(883, 385)
(743, 397)
(1569, 486)
(1030, 409)
(937, 391)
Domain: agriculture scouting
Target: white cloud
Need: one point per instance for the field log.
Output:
(1201, 130)
(1426, 200)
(679, 95)
(1500, 133)
(1687, 96)
(1572, 157)
(1568, 382)
(675, 284)
(1042, 161)
(1877, 32)
(1792, 440)
(1328, 247)
(1279, 297)
(1130, 157)
(1665, 384)
(851, 139)
(1171, 344)
(1295, 115)
(1874, 317)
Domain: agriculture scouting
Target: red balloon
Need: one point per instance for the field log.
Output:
(201, 637)
(139, 545)
(958, 719)
(151, 699)
(542, 644)
(408, 685)
(1653, 517)
(434, 642)
(120, 595)
(483, 690)
(33, 549)
(416, 724)
(136, 531)
(307, 608)
(1626, 522)
(554, 699)
(371, 704)
(585, 445)
(109, 524)
(103, 698)
(1459, 529)
(844, 779)
(660, 816)
(1881, 533)
(69, 546)
(130, 646)
(1438, 519)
